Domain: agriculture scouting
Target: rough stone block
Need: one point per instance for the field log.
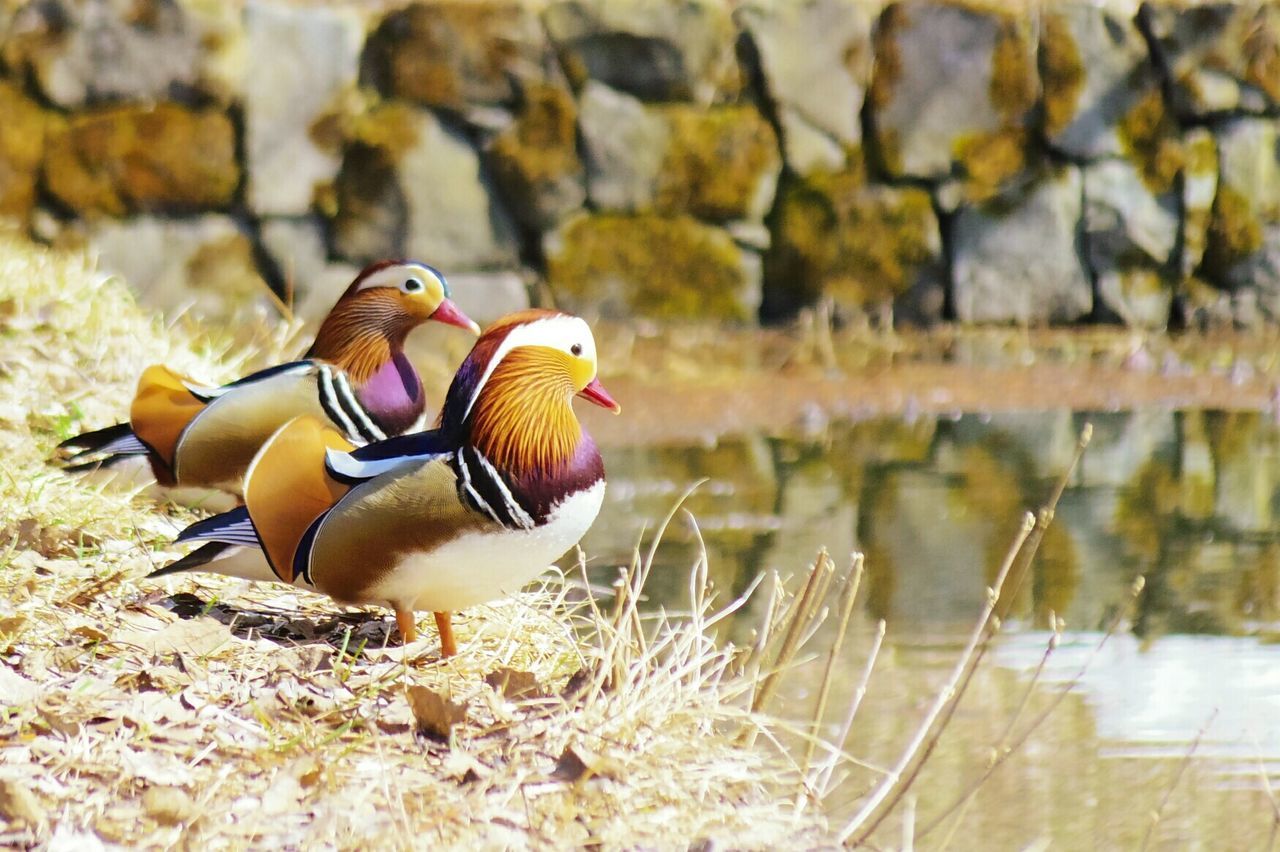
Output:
(622, 266)
(1242, 252)
(23, 130)
(204, 264)
(719, 164)
(87, 52)
(815, 56)
(535, 160)
(456, 55)
(953, 93)
(412, 186)
(485, 296)
(1096, 72)
(300, 61)
(867, 247)
(1016, 261)
(297, 249)
(655, 51)
(126, 159)
(1221, 57)
(1130, 234)
(1199, 187)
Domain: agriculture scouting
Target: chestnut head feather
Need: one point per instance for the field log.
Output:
(511, 398)
(368, 324)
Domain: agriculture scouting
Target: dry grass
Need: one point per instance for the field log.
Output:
(211, 712)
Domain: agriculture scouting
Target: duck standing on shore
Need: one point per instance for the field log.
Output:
(355, 377)
(440, 520)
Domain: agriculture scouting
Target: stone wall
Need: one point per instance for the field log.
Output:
(920, 160)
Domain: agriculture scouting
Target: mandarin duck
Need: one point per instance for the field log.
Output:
(506, 483)
(355, 377)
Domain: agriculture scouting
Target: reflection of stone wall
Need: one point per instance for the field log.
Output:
(670, 158)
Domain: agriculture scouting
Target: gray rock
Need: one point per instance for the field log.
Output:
(535, 162)
(1199, 186)
(1130, 235)
(485, 296)
(1123, 444)
(1243, 247)
(624, 145)
(655, 51)
(719, 164)
(297, 248)
(953, 92)
(1095, 71)
(1221, 57)
(86, 52)
(460, 56)
(203, 264)
(300, 61)
(816, 60)
(424, 195)
(1017, 262)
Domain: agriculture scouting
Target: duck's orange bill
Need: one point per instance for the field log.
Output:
(449, 314)
(595, 392)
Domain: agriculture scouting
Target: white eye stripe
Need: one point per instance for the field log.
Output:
(397, 277)
(553, 332)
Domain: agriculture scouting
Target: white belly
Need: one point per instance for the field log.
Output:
(475, 568)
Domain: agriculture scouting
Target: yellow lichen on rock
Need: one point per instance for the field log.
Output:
(655, 266)
(1149, 135)
(721, 164)
(1234, 232)
(23, 130)
(127, 159)
(1062, 74)
(863, 245)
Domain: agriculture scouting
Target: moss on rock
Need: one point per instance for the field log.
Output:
(1234, 232)
(654, 266)
(863, 245)
(453, 54)
(1062, 74)
(121, 160)
(22, 141)
(535, 160)
(720, 164)
(1149, 135)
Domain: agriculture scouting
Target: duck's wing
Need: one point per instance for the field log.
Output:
(411, 510)
(382, 457)
(287, 487)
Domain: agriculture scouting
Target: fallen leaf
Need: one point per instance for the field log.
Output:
(11, 625)
(93, 634)
(514, 684)
(168, 805)
(19, 803)
(464, 767)
(16, 690)
(198, 636)
(577, 763)
(435, 714)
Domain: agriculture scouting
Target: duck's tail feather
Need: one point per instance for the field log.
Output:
(220, 557)
(100, 448)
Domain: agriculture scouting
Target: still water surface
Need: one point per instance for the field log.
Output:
(1188, 499)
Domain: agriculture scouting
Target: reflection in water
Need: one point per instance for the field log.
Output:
(1187, 499)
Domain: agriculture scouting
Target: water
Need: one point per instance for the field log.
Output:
(1187, 499)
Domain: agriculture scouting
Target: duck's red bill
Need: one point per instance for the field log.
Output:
(595, 392)
(449, 314)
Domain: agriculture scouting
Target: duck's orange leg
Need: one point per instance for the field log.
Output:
(448, 647)
(408, 625)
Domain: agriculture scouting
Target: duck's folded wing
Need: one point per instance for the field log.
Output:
(208, 394)
(385, 456)
(287, 488)
(413, 509)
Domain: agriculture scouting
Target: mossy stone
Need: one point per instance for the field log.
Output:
(1150, 137)
(129, 159)
(22, 142)
(1235, 232)
(721, 164)
(1062, 73)
(863, 245)
(649, 265)
(451, 54)
(535, 161)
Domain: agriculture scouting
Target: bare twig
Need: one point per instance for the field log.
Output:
(1158, 813)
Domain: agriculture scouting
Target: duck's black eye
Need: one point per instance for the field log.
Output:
(413, 285)
(576, 349)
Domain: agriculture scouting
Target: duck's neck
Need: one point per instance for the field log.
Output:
(373, 358)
